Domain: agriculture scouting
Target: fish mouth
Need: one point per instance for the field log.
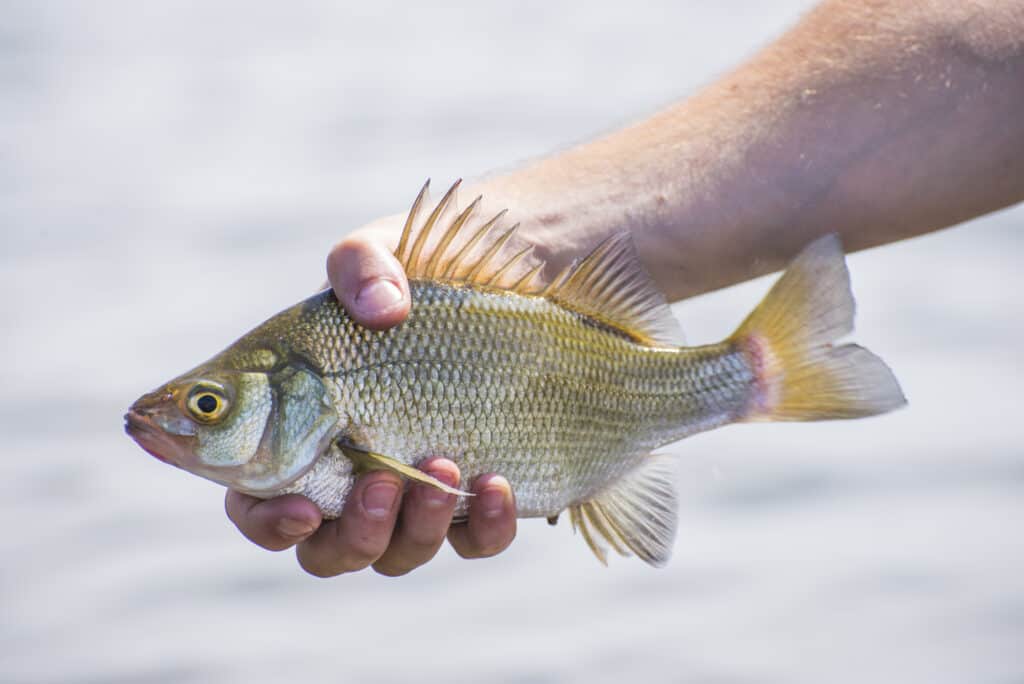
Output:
(154, 440)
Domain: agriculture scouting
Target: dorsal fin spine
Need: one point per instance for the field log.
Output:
(522, 285)
(582, 273)
(410, 220)
(560, 279)
(421, 239)
(500, 273)
(435, 259)
(451, 271)
(491, 251)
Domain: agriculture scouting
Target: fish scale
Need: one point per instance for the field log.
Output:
(516, 385)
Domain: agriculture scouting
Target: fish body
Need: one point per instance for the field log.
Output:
(512, 384)
(564, 389)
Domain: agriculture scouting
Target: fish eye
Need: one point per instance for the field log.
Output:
(207, 403)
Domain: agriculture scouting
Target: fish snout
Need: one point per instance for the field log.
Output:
(150, 404)
(147, 434)
(160, 430)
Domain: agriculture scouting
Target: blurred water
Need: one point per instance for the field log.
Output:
(171, 173)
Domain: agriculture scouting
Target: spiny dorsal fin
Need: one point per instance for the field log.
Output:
(635, 514)
(486, 255)
(610, 285)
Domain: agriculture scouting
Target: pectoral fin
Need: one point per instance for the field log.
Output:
(367, 460)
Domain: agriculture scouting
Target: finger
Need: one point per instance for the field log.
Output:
(362, 533)
(425, 518)
(274, 524)
(369, 282)
(492, 520)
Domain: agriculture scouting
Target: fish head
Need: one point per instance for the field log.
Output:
(254, 430)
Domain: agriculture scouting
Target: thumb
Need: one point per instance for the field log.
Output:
(369, 282)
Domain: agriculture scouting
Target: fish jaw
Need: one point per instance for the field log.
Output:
(173, 449)
(155, 421)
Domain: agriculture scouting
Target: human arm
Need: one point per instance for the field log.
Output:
(877, 121)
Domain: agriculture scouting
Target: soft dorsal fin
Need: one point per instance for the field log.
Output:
(636, 514)
(610, 285)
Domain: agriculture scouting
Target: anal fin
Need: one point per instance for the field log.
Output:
(367, 460)
(634, 515)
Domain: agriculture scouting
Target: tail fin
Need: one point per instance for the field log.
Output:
(789, 336)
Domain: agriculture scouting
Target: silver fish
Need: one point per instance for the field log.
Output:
(564, 388)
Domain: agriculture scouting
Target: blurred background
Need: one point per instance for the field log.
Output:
(171, 173)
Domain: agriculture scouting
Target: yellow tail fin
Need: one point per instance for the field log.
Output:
(789, 336)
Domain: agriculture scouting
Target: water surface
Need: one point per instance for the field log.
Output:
(173, 173)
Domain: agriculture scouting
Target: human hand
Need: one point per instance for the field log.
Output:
(394, 531)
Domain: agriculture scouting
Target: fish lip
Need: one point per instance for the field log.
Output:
(136, 422)
(148, 435)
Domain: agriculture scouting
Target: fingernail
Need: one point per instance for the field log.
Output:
(379, 499)
(494, 498)
(378, 297)
(434, 497)
(294, 529)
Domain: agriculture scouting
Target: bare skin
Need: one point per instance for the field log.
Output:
(877, 121)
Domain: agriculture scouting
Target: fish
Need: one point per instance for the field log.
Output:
(566, 385)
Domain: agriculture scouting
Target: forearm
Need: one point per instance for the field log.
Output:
(877, 123)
